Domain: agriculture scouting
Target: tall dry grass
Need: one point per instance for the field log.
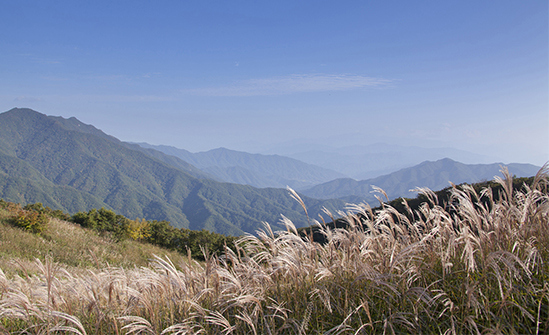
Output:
(475, 265)
(70, 245)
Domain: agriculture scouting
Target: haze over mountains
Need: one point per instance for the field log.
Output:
(368, 161)
(259, 170)
(433, 175)
(253, 169)
(71, 166)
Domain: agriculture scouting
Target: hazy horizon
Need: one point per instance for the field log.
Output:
(252, 76)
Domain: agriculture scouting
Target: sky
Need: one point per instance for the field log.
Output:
(253, 75)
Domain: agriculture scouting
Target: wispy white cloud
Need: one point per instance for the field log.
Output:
(110, 77)
(55, 78)
(25, 98)
(119, 98)
(40, 59)
(124, 77)
(297, 83)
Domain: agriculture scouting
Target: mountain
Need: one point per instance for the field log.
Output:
(368, 161)
(253, 169)
(71, 166)
(171, 160)
(434, 175)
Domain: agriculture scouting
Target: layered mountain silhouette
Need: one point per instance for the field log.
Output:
(363, 162)
(433, 175)
(68, 165)
(253, 169)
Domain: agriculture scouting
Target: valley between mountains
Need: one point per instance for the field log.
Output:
(68, 165)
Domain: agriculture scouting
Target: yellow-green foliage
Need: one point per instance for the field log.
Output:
(32, 217)
(138, 229)
(466, 266)
(30, 220)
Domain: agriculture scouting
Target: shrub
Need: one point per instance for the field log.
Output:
(160, 233)
(9, 206)
(103, 220)
(31, 220)
(138, 229)
(40, 208)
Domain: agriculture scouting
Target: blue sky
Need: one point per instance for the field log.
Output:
(248, 75)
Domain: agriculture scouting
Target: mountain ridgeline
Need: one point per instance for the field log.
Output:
(70, 166)
(253, 169)
(365, 161)
(433, 175)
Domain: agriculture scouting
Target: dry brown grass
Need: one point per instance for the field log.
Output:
(464, 267)
(71, 246)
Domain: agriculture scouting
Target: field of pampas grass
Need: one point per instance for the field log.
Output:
(475, 265)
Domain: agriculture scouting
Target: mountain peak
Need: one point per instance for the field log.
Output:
(23, 112)
(22, 118)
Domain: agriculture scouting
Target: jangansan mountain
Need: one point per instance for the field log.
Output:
(68, 165)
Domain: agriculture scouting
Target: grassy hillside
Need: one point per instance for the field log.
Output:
(461, 267)
(70, 246)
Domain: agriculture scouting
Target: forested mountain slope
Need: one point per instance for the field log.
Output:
(71, 166)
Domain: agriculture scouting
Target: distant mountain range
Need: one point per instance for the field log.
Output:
(71, 166)
(252, 169)
(68, 165)
(433, 175)
(275, 170)
(362, 162)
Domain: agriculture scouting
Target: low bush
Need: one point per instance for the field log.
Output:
(160, 233)
(30, 220)
(54, 213)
